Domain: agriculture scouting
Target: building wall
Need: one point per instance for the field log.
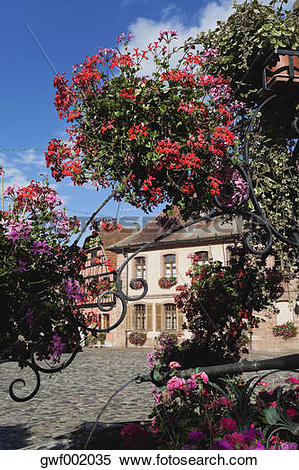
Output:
(157, 297)
(263, 339)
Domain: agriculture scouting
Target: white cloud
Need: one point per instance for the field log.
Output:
(31, 158)
(145, 30)
(13, 175)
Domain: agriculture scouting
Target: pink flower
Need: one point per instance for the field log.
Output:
(263, 384)
(292, 380)
(291, 412)
(273, 404)
(201, 375)
(176, 383)
(224, 401)
(174, 365)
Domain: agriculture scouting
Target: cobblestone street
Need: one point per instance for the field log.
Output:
(73, 397)
(67, 400)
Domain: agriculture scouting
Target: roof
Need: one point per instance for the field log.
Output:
(217, 229)
(111, 238)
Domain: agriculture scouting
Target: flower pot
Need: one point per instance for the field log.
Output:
(280, 69)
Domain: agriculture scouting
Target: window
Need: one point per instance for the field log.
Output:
(140, 317)
(170, 266)
(140, 267)
(170, 317)
(203, 256)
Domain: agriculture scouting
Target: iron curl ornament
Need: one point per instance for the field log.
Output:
(258, 243)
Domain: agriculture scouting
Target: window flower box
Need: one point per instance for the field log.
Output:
(136, 285)
(167, 282)
(285, 330)
(137, 338)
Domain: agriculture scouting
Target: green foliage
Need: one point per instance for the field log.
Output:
(253, 29)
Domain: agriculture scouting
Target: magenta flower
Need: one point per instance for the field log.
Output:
(191, 385)
(228, 424)
(292, 380)
(176, 383)
(225, 402)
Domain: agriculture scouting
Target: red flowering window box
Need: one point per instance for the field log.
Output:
(167, 282)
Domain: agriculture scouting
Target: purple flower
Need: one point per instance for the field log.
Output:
(251, 434)
(289, 446)
(17, 229)
(41, 248)
(72, 289)
(21, 268)
(29, 317)
(57, 348)
(257, 446)
(196, 435)
(222, 445)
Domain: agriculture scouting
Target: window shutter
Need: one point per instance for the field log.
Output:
(181, 320)
(158, 317)
(128, 318)
(149, 317)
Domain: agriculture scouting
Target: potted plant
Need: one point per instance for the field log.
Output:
(247, 38)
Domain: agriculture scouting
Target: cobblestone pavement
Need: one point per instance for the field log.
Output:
(68, 399)
(74, 396)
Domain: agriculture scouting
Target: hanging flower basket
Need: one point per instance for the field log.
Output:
(280, 69)
(167, 282)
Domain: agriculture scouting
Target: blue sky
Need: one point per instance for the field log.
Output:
(68, 30)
